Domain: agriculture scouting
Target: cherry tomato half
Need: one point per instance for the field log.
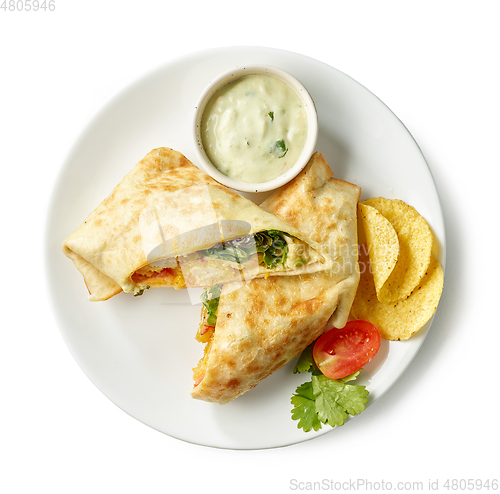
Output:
(340, 352)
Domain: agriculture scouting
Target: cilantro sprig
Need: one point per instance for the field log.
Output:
(323, 400)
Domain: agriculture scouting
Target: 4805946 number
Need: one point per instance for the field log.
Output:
(27, 5)
(470, 484)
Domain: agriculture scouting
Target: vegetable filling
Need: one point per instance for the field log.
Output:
(210, 299)
(206, 329)
(269, 250)
(271, 244)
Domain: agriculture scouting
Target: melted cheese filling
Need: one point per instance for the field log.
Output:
(157, 276)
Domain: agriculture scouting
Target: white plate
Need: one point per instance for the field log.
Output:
(139, 351)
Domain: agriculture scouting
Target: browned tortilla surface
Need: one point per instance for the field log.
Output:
(163, 208)
(265, 323)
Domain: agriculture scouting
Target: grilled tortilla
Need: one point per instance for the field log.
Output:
(265, 323)
(169, 224)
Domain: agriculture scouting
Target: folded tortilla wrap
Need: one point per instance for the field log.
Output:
(265, 323)
(169, 224)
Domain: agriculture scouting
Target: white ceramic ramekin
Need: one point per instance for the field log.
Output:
(312, 129)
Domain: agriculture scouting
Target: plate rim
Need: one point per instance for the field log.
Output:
(137, 82)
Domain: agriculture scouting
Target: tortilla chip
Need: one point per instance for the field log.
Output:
(382, 242)
(398, 320)
(415, 248)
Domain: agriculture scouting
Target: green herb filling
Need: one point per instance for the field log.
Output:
(270, 243)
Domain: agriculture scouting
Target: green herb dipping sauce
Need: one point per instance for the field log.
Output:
(254, 129)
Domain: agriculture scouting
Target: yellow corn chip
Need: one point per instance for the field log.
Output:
(382, 243)
(398, 320)
(415, 248)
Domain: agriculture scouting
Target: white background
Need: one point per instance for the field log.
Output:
(435, 64)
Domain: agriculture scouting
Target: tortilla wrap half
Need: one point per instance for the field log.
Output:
(169, 224)
(266, 323)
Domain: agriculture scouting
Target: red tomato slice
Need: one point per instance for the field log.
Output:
(340, 352)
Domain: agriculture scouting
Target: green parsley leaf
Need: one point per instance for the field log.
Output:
(271, 115)
(306, 362)
(335, 400)
(350, 377)
(327, 401)
(305, 408)
(281, 146)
